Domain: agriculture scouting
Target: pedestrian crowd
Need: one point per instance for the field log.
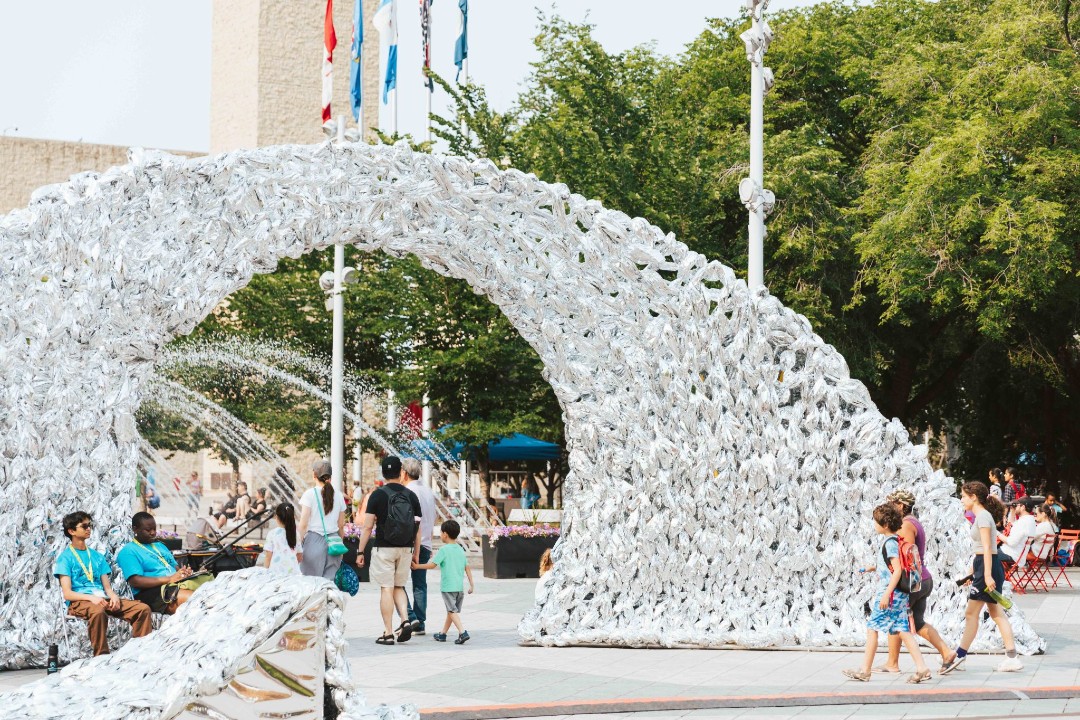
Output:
(1007, 527)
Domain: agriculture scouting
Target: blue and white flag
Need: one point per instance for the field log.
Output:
(356, 89)
(385, 21)
(461, 46)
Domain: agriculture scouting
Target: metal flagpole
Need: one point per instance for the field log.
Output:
(427, 117)
(757, 199)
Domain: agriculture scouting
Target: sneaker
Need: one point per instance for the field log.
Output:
(418, 628)
(462, 638)
(439, 637)
(1010, 665)
(954, 664)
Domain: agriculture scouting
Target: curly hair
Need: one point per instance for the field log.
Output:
(887, 516)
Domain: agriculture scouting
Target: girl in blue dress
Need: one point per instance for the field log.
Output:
(892, 614)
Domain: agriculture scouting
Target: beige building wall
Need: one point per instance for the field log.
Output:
(266, 85)
(27, 164)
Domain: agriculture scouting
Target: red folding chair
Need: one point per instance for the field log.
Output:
(1014, 569)
(1067, 540)
(1032, 576)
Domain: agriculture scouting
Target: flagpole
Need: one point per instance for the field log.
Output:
(393, 111)
(427, 81)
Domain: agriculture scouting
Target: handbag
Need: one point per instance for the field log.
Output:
(334, 545)
(346, 580)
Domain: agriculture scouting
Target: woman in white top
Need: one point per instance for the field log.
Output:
(1045, 530)
(322, 514)
(282, 553)
(988, 575)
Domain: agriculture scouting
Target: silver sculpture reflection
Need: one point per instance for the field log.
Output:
(723, 462)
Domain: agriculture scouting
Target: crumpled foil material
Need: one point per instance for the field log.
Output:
(196, 653)
(712, 500)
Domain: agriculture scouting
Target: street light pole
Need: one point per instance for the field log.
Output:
(337, 426)
(757, 199)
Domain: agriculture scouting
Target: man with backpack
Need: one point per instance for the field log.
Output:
(1013, 490)
(395, 512)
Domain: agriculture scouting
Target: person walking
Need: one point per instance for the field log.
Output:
(283, 555)
(892, 612)
(395, 513)
(988, 574)
(417, 608)
(195, 488)
(1013, 490)
(912, 531)
(84, 581)
(455, 568)
(322, 514)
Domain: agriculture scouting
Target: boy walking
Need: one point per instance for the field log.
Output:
(454, 567)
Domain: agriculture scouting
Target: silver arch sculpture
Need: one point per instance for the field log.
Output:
(723, 462)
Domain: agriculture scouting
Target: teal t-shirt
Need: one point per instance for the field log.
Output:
(136, 559)
(451, 561)
(75, 563)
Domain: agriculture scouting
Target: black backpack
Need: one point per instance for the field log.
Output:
(399, 530)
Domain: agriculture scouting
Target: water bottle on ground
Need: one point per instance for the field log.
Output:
(54, 660)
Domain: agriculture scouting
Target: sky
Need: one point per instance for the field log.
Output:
(133, 72)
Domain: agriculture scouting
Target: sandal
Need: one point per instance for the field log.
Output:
(857, 675)
(919, 677)
(404, 631)
(385, 640)
(884, 669)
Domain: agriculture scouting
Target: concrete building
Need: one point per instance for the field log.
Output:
(266, 89)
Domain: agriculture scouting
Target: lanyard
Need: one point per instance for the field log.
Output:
(156, 552)
(89, 560)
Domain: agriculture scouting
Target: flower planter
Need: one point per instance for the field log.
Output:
(515, 557)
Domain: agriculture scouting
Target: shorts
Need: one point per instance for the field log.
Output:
(978, 582)
(453, 601)
(917, 601)
(391, 566)
(893, 619)
(153, 598)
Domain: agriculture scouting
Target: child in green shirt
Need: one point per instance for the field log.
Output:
(454, 567)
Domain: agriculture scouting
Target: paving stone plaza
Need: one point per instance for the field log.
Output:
(492, 676)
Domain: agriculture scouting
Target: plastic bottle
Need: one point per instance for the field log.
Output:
(54, 660)
(1004, 602)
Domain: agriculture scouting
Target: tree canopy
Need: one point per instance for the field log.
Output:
(924, 156)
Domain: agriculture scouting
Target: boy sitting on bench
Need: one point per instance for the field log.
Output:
(84, 579)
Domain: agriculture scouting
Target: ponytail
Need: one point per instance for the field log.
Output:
(287, 515)
(327, 494)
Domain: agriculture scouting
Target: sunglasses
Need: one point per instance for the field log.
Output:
(85, 525)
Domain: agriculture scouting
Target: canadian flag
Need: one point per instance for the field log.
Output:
(329, 43)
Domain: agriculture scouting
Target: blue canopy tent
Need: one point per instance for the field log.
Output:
(509, 447)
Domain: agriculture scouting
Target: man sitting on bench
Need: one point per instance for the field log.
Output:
(151, 570)
(84, 579)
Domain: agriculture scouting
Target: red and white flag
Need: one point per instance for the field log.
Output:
(329, 43)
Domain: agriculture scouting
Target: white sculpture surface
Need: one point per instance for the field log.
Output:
(249, 644)
(723, 463)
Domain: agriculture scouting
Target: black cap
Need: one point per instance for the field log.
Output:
(391, 467)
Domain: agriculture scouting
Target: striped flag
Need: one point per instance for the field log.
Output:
(329, 43)
(461, 46)
(385, 21)
(425, 31)
(356, 90)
